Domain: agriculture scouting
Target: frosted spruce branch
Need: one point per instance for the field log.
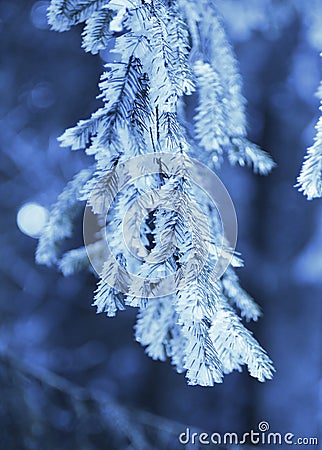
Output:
(220, 120)
(162, 53)
(310, 178)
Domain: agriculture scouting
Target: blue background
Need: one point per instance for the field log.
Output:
(47, 325)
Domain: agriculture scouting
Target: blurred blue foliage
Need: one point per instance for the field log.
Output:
(47, 326)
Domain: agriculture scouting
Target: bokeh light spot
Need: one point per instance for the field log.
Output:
(31, 219)
(38, 15)
(42, 96)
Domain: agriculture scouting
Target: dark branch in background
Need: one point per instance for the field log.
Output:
(141, 429)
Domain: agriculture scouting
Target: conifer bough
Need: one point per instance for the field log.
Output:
(163, 52)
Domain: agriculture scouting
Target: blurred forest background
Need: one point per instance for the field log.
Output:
(71, 379)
